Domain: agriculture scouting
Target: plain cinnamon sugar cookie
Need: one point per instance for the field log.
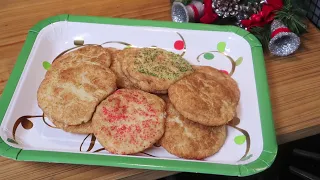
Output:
(88, 54)
(205, 98)
(223, 78)
(71, 94)
(122, 80)
(190, 140)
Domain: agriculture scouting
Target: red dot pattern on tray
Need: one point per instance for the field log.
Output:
(224, 71)
(179, 45)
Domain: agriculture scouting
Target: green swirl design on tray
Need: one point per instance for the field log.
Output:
(240, 139)
(239, 61)
(221, 47)
(11, 141)
(208, 56)
(246, 158)
(46, 65)
(245, 137)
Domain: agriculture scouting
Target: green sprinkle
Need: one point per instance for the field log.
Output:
(145, 63)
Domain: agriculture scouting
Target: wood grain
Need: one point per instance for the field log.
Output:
(294, 81)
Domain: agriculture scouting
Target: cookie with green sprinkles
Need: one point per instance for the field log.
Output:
(154, 69)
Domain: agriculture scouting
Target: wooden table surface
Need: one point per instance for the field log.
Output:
(294, 81)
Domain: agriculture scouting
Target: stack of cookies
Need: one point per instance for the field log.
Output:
(198, 109)
(74, 85)
(146, 96)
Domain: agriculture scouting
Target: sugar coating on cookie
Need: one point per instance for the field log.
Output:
(190, 140)
(129, 121)
(225, 79)
(85, 128)
(122, 79)
(88, 54)
(154, 69)
(69, 95)
(205, 98)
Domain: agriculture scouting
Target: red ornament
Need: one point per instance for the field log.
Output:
(179, 45)
(265, 16)
(209, 15)
(279, 30)
(256, 17)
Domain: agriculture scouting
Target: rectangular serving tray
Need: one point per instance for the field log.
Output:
(26, 135)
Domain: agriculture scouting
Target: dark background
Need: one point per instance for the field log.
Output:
(314, 11)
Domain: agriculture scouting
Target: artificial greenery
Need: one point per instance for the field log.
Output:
(262, 34)
(292, 15)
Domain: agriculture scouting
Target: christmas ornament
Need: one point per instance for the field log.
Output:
(255, 16)
(190, 13)
(283, 42)
(265, 16)
(247, 10)
(179, 12)
(209, 16)
(226, 8)
(185, 2)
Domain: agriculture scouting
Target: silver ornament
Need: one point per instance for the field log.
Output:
(263, 1)
(179, 13)
(283, 43)
(226, 14)
(233, 13)
(254, 11)
(226, 8)
(247, 10)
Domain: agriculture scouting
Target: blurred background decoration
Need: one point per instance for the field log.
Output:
(255, 16)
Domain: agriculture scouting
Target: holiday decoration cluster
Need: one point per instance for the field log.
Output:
(276, 23)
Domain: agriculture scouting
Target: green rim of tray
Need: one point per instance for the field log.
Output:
(269, 141)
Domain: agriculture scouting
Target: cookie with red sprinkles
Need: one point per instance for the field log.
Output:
(129, 121)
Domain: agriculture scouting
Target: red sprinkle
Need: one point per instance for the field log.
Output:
(119, 112)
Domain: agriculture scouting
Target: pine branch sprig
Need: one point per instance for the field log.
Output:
(292, 15)
(262, 34)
